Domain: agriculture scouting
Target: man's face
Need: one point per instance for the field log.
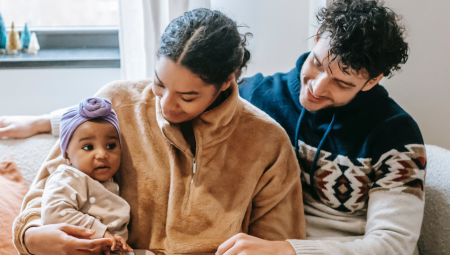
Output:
(324, 84)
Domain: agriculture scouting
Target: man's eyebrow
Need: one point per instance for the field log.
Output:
(316, 58)
(113, 137)
(346, 83)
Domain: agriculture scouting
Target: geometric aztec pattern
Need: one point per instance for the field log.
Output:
(345, 184)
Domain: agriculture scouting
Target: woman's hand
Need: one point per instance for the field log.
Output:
(24, 126)
(241, 244)
(64, 239)
(119, 241)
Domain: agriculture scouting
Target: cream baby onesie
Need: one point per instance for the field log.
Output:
(72, 197)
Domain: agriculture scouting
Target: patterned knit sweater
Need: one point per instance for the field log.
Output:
(363, 167)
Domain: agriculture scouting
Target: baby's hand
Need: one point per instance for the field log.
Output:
(118, 243)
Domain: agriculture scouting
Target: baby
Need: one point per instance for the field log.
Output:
(82, 193)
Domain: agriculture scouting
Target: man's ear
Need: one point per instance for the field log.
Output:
(372, 82)
(316, 37)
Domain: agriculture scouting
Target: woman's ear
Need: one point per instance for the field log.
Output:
(228, 82)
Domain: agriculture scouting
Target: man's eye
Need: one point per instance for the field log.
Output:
(88, 147)
(318, 65)
(111, 146)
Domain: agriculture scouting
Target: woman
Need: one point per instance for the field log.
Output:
(199, 164)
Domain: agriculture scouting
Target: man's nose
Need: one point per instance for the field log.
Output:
(320, 85)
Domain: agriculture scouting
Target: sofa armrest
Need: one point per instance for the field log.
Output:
(435, 227)
(29, 153)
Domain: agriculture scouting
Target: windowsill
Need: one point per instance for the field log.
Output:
(70, 47)
(63, 58)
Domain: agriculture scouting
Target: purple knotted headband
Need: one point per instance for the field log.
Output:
(89, 108)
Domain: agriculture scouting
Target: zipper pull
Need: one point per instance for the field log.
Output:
(195, 166)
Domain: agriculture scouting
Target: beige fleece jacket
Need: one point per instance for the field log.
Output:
(244, 178)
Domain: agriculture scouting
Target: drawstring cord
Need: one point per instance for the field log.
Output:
(316, 156)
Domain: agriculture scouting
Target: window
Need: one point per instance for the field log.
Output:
(51, 13)
(71, 33)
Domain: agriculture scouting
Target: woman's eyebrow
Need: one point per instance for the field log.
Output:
(158, 77)
(181, 93)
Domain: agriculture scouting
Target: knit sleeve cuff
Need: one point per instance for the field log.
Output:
(55, 119)
(99, 228)
(33, 221)
(306, 247)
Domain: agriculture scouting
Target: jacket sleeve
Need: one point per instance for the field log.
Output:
(30, 214)
(65, 193)
(393, 227)
(277, 211)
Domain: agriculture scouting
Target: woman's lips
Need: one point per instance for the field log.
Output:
(170, 114)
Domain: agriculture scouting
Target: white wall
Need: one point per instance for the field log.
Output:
(280, 31)
(40, 91)
(423, 87)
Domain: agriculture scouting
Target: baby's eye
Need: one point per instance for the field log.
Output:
(88, 147)
(111, 146)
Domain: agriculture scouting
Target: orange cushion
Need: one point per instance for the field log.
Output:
(12, 189)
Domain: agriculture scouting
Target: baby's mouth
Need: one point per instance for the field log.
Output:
(101, 167)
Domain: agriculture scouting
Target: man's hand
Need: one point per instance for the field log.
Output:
(242, 244)
(118, 243)
(64, 239)
(24, 126)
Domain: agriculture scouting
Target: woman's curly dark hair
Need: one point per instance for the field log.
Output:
(364, 35)
(208, 43)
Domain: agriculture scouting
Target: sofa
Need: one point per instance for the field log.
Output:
(31, 152)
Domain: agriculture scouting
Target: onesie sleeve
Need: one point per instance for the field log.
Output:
(64, 195)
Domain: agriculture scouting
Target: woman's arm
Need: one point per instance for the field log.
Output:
(26, 126)
(63, 239)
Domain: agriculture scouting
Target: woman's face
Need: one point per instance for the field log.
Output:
(183, 94)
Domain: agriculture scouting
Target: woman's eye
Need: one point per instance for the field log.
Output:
(111, 146)
(187, 100)
(88, 147)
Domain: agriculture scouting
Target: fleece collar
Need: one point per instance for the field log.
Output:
(211, 127)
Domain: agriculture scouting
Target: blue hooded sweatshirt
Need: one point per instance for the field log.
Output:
(349, 151)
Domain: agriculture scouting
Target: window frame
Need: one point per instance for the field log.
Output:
(69, 47)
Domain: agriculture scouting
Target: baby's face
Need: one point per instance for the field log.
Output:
(94, 149)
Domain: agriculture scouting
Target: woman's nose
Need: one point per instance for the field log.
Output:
(168, 102)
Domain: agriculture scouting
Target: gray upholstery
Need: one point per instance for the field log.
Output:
(31, 152)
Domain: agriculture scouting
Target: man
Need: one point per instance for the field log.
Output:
(362, 157)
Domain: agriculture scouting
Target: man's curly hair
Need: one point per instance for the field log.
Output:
(364, 35)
